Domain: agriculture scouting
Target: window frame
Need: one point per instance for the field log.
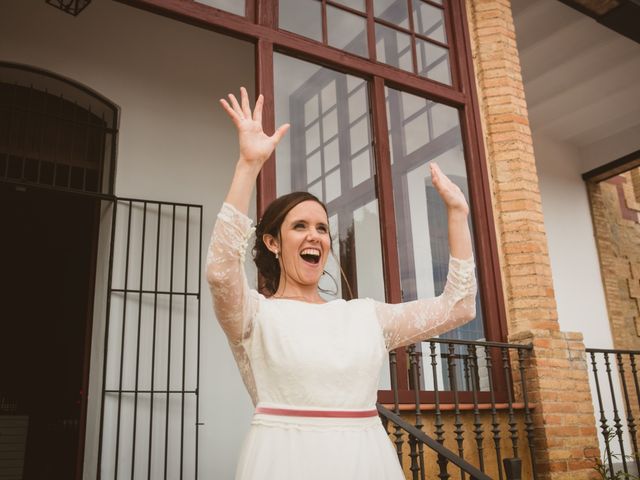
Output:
(260, 27)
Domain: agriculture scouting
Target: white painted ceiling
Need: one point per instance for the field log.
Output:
(581, 79)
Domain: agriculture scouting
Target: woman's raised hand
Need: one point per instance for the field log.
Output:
(448, 191)
(255, 145)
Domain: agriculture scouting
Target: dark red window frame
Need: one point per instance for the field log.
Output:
(259, 26)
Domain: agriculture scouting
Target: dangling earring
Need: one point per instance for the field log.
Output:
(276, 254)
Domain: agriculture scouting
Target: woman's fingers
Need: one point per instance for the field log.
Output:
(257, 111)
(279, 133)
(234, 116)
(244, 99)
(236, 106)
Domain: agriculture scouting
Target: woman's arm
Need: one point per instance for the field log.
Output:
(409, 322)
(234, 303)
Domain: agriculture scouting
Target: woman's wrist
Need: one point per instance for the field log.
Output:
(248, 167)
(461, 212)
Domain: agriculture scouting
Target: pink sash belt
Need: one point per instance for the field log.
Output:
(317, 413)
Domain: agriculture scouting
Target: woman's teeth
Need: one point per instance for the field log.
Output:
(310, 255)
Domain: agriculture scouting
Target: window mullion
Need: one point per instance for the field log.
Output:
(384, 187)
(266, 184)
(267, 14)
(325, 36)
(414, 55)
(371, 26)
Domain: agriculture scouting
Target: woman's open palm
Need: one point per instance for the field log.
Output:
(255, 145)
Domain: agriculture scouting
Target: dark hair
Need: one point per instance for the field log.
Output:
(270, 223)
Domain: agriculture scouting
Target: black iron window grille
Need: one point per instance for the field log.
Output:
(55, 133)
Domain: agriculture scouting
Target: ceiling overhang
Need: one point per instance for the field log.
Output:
(622, 16)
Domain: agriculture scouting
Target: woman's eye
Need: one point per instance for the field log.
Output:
(322, 229)
(299, 225)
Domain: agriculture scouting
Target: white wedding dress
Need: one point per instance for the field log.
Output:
(299, 355)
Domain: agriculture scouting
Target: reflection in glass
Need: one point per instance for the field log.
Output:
(429, 21)
(328, 152)
(394, 11)
(417, 137)
(233, 6)
(393, 47)
(355, 4)
(302, 17)
(433, 61)
(347, 31)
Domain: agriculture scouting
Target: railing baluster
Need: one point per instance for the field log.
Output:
(603, 419)
(122, 338)
(137, 380)
(393, 363)
(631, 424)
(457, 420)
(513, 429)
(495, 425)
(170, 321)
(439, 431)
(416, 374)
(528, 421)
(413, 441)
(634, 371)
(153, 340)
(478, 430)
(616, 417)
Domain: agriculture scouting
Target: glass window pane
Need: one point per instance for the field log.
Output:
(303, 17)
(429, 21)
(233, 6)
(393, 47)
(394, 11)
(347, 31)
(433, 61)
(355, 4)
(334, 162)
(421, 217)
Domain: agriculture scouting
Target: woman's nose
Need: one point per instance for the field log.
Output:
(313, 234)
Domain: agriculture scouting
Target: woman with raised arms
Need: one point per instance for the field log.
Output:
(312, 366)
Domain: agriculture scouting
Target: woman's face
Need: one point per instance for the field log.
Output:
(304, 243)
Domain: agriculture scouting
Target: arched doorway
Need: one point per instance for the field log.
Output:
(57, 156)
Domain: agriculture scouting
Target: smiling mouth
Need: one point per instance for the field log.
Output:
(311, 256)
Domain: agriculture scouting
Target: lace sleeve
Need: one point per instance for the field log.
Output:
(234, 302)
(409, 322)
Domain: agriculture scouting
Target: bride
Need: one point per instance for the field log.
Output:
(310, 366)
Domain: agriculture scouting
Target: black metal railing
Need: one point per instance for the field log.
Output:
(477, 387)
(149, 418)
(614, 373)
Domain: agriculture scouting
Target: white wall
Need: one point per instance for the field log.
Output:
(574, 261)
(574, 257)
(175, 144)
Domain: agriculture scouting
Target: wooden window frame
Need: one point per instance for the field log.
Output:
(259, 26)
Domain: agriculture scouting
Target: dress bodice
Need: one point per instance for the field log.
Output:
(317, 355)
(300, 354)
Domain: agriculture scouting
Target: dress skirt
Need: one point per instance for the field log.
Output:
(281, 447)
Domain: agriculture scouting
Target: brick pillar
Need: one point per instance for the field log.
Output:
(564, 423)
